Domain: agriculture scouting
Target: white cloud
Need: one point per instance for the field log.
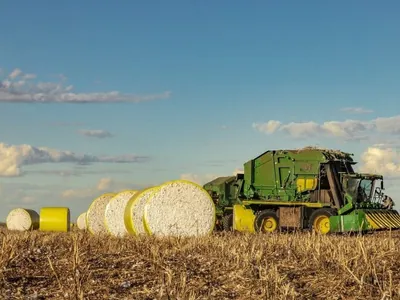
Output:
(390, 125)
(269, 127)
(15, 73)
(25, 90)
(96, 133)
(13, 157)
(348, 129)
(104, 184)
(385, 161)
(357, 110)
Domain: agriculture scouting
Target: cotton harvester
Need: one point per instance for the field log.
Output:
(310, 188)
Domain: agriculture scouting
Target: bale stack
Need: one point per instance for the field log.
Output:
(175, 208)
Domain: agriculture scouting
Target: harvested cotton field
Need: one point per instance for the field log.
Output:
(78, 265)
(114, 213)
(179, 208)
(22, 219)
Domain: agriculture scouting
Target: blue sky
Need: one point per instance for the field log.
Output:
(214, 71)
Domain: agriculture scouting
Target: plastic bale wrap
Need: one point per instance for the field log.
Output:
(22, 219)
(81, 221)
(114, 213)
(134, 210)
(56, 219)
(96, 213)
(179, 208)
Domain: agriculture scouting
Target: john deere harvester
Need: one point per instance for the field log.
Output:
(309, 188)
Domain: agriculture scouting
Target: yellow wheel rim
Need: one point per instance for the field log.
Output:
(321, 224)
(269, 224)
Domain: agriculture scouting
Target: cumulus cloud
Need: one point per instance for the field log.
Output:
(19, 87)
(14, 157)
(356, 110)
(269, 127)
(104, 184)
(385, 161)
(347, 129)
(101, 134)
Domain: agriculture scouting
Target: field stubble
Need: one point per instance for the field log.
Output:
(77, 265)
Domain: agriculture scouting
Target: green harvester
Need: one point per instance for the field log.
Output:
(309, 188)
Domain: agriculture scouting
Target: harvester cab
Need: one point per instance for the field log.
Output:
(365, 190)
(366, 207)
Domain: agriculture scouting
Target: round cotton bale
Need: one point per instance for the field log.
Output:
(133, 216)
(96, 212)
(114, 213)
(81, 221)
(55, 219)
(179, 208)
(22, 219)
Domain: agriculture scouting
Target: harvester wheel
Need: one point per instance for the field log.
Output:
(319, 220)
(266, 221)
(227, 222)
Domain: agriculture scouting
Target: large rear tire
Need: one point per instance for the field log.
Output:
(319, 220)
(266, 221)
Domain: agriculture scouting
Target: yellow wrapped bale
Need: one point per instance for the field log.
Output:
(22, 219)
(55, 219)
(114, 213)
(95, 215)
(81, 221)
(134, 210)
(179, 208)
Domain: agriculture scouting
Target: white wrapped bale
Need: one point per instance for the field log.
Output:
(81, 221)
(95, 214)
(133, 217)
(114, 213)
(179, 208)
(21, 219)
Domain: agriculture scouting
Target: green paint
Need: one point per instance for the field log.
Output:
(271, 179)
(354, 222)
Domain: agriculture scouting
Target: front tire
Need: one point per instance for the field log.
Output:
(319, 220)
(266, 221)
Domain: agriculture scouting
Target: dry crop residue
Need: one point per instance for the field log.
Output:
(77, 265)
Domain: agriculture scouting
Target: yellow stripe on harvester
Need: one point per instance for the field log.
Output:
(383, 219)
